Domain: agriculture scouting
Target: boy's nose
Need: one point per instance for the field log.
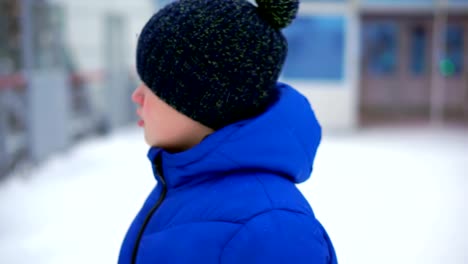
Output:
(137, 96)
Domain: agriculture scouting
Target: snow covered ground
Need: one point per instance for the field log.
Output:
(385, 195)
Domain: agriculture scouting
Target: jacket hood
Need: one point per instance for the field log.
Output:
(282, 141)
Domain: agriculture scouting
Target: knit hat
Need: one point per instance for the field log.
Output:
(216, 61)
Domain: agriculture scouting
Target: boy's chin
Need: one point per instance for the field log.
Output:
(150, 141)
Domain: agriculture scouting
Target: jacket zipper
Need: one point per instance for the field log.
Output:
(157, 169)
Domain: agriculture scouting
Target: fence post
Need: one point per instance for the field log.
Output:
(48, 95)
(118, 104)
(3, 135)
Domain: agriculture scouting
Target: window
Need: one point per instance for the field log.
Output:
(316, 48)
(380, 47)
(419, 41)
(452, 64)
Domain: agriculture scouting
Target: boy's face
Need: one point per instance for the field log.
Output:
(164, 126)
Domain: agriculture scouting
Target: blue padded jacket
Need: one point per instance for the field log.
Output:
(233, 197)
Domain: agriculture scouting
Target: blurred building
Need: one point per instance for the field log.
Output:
(66, 71)
(372, 61)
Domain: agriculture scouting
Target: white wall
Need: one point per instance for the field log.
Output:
(333, 103)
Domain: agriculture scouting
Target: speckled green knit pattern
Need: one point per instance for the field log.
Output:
(216, 61)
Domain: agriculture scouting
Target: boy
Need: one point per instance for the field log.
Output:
(228, 143)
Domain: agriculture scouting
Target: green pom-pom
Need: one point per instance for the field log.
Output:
(278, 13)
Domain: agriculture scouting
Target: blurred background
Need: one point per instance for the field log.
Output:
(66, 71)
(388, 80)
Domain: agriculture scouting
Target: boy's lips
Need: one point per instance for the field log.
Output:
(140, 121)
